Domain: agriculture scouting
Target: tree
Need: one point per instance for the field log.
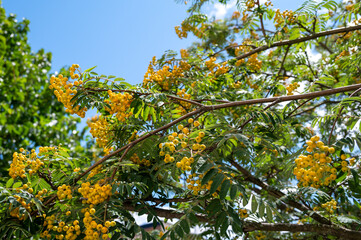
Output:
(29, 114)
(244, 134)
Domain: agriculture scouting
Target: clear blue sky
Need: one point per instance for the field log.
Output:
(119, 36)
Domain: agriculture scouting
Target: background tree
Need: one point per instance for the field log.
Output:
(243, 134)
(30, 115)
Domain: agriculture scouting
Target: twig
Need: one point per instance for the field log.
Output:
(338, 115)
(121, 158)
(261, 20)
(299, 40)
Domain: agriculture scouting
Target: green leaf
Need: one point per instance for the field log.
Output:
(185, 226)
(209, 175)
(179, 231)
(269, 215)
(261, 209)
(224, 189)
(217, 180)
(233, 192)
(88, 70)
(17, 184)
(254, 204)
(9, 183)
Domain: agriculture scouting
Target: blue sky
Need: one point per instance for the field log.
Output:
(118, 36)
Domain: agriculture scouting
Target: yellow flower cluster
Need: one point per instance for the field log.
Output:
(315, 169)
(94, 230)
(330, 206)
(40, 193)
(236, 15)
(253, 63)
(216, 68)
(243, 213)
(236, 85)
(342, 54)
(119, 105)
(167, 75)
(101, 130)
(260, 236)
(64, 92)
(15, 212)
(74, 75)
(21, 162)
(182, 31)
(59, 228)
(95, 171)
(135, 159)
(95, 194)
(290, 88)
(64, 192)
(184, 53)
(181, 141)
(194, 183)
(281, 17)
(44, 150)
(184, 105)
(239, 62)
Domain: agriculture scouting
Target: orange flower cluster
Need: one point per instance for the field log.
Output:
(315, 169)
(24, 162)
(290, 88)
(95, 194)
(135, 159)
(216, 68)
(65, 91)
(167, 75)
(119, 105)
(100, 129)
(178, 144)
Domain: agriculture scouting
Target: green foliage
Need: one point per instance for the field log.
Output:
(244, 132)
(30, 115)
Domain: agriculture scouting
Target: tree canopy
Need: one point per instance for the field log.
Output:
(252, 132)
(30, 114)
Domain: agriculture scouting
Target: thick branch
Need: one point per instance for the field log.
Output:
(299, 40)
(286, 98)
(341, 232)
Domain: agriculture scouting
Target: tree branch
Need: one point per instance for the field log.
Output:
(341, 232)
(299, 40)
(338, 115)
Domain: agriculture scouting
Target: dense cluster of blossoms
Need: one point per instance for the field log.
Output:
(290, 88)
(166, 76)
(26, 161)
(65, 91)
(101, 130)
(95, 194)
(216, 68)
(119, 105)
(317, 168)
(180, 143)
(243, 213)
